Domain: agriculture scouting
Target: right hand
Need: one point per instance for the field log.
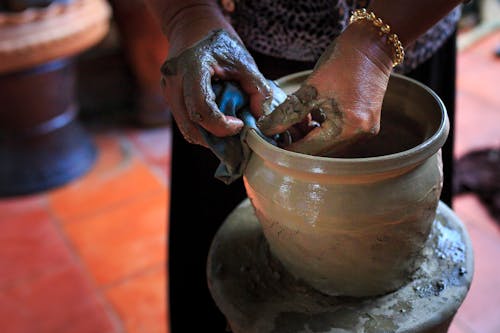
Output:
(343, 96)
(187, 81)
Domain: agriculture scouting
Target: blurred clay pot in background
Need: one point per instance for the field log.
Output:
(42, 144)
(355, 225)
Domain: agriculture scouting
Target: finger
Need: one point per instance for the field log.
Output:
(312, 125)
(319, 141)
(259, 91)
(175, 101)
(202, 109)
(253, 84)
(288, 113)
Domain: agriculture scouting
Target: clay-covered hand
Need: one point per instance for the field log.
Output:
(187, 80)
(340, 102)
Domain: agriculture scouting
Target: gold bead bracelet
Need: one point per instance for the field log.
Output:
(384, 30)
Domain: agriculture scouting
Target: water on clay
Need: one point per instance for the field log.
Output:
(398, 132)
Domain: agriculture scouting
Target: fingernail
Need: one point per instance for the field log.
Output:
(314, 124)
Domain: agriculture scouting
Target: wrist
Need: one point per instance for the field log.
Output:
(192, 24)
(365, 38)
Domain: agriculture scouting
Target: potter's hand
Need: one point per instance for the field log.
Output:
(187, 80)
(342, 98)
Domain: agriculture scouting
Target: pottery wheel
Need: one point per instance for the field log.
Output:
(257, 295)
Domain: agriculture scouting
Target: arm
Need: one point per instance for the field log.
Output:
(347, 86)
(409, 19)
(203, 45)
(186, 22)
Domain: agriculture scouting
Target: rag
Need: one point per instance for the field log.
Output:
(233, 151)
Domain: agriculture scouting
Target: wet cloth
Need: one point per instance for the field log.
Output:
(233, 152)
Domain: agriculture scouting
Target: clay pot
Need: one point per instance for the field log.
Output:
(355, 226)
(39, 35)
(42, 145)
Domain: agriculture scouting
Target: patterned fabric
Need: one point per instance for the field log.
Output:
(20, 5)
(302, 29)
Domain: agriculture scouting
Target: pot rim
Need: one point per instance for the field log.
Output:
(353, 166)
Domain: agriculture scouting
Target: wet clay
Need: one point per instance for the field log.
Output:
(257, 295)
(292, 111)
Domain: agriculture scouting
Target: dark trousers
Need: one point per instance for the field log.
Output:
(200, 203)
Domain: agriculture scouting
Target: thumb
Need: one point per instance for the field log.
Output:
(290, 112)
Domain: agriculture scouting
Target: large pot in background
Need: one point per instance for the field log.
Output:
(42, 144)
(355, 226)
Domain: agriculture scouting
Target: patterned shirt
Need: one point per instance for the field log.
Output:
(302, 29)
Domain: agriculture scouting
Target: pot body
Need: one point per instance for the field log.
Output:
(355, 226)
(42, 144)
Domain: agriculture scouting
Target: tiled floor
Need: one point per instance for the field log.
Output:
(89, 257)
(478, 126)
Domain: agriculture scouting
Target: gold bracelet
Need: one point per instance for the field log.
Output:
(384, 30)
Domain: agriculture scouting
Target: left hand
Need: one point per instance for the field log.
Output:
(343, 95)
(187, 79)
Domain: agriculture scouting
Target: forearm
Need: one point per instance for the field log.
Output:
(186, 22)
(411, 18)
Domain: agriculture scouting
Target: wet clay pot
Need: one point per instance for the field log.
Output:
(355, 225)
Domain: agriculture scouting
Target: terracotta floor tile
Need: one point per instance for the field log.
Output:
(120, 181)
(477, 126)
(479, 74)
(153, 144)
(485, 47)
(60, 302)
(470, 209)
(480, 308)
(162, 173)
(30, 244)
(124, 240)
(477, 123)
(113, 152)
(458, 327)
(10, 207)
(141, 302)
